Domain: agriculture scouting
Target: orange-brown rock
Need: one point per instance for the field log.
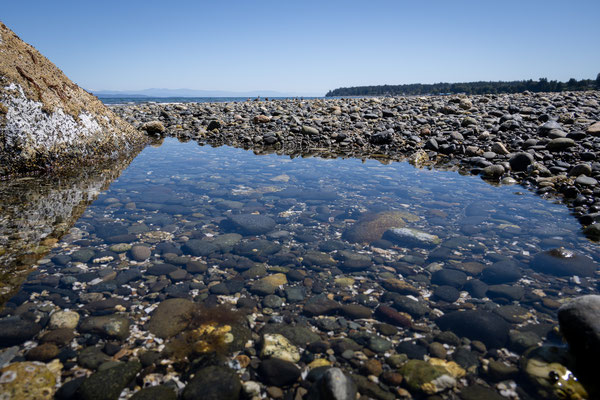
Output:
(46, 120)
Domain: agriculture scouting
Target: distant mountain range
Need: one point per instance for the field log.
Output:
(197, 93)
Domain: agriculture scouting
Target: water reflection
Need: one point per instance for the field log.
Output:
(35, 212)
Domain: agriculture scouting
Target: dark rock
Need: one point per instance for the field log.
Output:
(406, 304)
(109, 383)
(257, 248)
(446, 293)
(465, 357)
(501, 272)
(161, 269)
(114, 326)
(352, 261)
(213, 125)
(92, 357)
(520, 161)
(161, 392)
(44, 352)
(170, 317)
(69, 389)
(356, 311)
(476, 288)
(484, 326)
(213, 383)
(547, 127)
(509, 292)
(387, 314)
(14, 331)
(449, 277)
(83, 255)
(275, 371)
(580, 325)
(318, 259)
(380, 138)
(199, 248)
(128, 275)
(320, 305)
(412, 350)
(478, 392)
(563, 262)
(371, 389)
(295, 294)
(252, 224)
(60, 336)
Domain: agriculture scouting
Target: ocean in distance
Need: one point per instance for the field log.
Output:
(139, 99)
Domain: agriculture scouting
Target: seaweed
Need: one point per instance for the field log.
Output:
(208, 332)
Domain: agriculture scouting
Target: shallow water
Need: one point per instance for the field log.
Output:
(177, 192)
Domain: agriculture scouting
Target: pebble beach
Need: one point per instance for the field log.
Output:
(282, 249)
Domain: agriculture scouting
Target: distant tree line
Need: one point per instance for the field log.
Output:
(541, 85)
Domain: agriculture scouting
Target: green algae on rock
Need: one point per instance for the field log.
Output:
(431, 377)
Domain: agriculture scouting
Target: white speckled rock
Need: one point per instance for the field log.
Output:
(277, 346)
(64, 319)
(47, 121)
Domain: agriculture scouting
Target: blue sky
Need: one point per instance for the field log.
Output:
(308, 46)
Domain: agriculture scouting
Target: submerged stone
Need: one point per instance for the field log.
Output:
(115, 326)
(411, 237)
(277, 346)
(275, 371)
(481, 325)
(14, 330)
(333, 384)
(563, 262)
(545, 368)
(108, 384)
(423, 377)
(371, 227)
(252, 224)
(171, 317)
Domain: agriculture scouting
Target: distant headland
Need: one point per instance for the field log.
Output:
(480, 87)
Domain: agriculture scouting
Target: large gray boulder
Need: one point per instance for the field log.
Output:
(47, 121)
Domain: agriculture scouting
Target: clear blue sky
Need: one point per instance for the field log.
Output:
(308, 46)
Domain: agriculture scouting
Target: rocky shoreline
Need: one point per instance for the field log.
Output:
(212, 273)
(548, 142)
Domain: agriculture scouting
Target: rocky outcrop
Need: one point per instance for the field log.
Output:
(47, 121)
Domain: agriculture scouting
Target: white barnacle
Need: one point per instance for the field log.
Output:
(8, 376)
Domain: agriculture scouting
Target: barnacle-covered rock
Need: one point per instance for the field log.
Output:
(29, 380)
